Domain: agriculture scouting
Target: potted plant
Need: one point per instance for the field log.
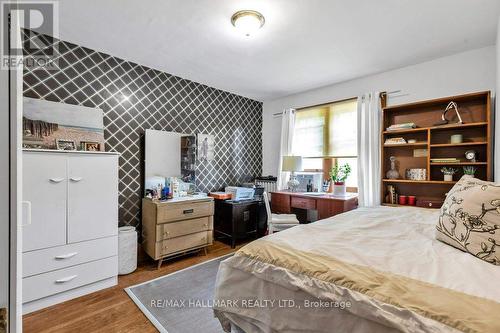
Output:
(448, 173)
(339, 174)
(469, 171)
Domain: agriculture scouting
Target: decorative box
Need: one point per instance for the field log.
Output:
(416, 174)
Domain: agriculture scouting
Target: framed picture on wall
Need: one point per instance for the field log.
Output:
(206, 147)
(46, 122)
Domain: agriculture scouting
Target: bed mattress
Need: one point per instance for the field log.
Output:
(369, 270)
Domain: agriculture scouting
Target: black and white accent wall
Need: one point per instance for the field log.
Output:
(134, 98)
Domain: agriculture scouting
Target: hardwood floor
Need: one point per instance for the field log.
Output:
(111, 310)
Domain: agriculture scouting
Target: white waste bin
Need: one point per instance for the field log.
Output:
(127, 250)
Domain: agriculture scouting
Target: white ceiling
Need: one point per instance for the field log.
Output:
(304, 44)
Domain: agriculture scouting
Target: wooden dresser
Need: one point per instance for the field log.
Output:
(177, 226)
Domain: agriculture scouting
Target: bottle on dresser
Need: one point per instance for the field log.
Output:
(174, 187)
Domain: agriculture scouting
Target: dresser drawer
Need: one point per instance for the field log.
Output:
(304, 203)
(41, 261)
(43, 285)
(183, 243)
(181, 228)
(184, 210)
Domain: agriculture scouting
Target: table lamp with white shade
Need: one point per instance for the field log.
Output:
(292, 164)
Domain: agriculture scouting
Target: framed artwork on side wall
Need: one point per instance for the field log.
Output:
(206, 147)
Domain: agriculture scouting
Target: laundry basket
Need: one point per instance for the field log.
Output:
(127, 250)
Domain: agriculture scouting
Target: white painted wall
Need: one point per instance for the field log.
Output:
(470, 71)
(4, 188)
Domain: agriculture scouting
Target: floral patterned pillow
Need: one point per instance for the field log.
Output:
(470, 219)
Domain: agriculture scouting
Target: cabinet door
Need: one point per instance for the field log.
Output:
(92, 197)
(44, 186)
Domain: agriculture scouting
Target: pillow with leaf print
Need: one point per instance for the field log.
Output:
(470, 218)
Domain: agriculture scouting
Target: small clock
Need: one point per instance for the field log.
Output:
(471, 155)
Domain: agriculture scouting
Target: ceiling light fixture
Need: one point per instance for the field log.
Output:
(247, 21)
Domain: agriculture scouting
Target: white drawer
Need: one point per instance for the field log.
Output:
(39, 286)
(42, 261)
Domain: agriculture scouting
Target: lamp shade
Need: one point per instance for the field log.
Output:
(292, 163)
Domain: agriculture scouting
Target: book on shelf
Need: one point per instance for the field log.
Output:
(420, 152)
(397, 127)
(445, 160)
(395, 141)
(392, 196)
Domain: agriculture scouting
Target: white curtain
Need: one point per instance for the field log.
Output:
(287, 128)
(369, 117)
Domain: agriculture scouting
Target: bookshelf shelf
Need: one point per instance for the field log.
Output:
(438, 128)
(416, 144)
(463, 144)
(416, 182)
(459, 163)
(475, 110)
(410, 130)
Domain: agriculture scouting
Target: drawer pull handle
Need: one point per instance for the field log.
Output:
(56, 180)
(28, 213)
(205, 225)
(66, 279)
(66, 256)
(76, 179)
(188, 211)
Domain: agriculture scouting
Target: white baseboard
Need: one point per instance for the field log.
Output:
(67, 295)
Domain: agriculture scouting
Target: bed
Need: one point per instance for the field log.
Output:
(369, 270)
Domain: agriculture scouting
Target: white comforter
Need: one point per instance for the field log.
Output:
(395, 240)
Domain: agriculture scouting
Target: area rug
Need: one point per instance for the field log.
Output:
(180, 302)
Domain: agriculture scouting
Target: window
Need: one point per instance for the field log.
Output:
(325, 135)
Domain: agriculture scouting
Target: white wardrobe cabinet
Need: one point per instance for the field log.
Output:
(70, 245)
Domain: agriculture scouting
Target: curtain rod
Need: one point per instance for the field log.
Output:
(384, 93)
(391, 92)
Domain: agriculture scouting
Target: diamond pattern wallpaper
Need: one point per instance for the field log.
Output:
(135, 98)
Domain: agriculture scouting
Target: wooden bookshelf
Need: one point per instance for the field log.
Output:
(475, 110)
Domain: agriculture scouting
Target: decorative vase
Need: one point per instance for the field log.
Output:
(393, 173)
(339, 189)
(448, 178)
(293, 183)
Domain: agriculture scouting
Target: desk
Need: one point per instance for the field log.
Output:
(327, 205)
